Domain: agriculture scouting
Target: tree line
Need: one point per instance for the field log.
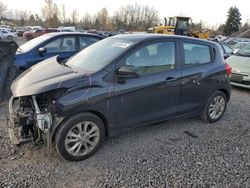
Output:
(129, 17)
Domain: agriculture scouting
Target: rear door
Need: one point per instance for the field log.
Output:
(197, 81)
(153, 95)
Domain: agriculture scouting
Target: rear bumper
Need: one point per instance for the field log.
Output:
(240, 85)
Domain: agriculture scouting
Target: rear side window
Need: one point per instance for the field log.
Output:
(196, 54)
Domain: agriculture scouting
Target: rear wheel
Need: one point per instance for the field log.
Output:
(215, 107)
(79, 137)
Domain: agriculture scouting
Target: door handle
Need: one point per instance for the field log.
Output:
(196, 82)
(171, 79)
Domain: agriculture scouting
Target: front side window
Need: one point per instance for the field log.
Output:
(53, 46)
(63, 44)
(196, 54)
(153, 58)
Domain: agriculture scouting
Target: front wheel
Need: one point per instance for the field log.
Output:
(215, 107)
(79, 137)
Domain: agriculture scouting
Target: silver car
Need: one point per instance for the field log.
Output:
(240, 63)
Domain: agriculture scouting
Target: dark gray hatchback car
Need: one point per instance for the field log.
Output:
(116, 84)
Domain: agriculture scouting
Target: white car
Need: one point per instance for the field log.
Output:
(1, 35)
(8, 35)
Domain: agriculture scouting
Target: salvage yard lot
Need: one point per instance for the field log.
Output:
(155, 156)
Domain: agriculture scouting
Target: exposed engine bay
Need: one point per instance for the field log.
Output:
(31, 117)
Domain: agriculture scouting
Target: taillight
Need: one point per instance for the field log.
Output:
(228, 69)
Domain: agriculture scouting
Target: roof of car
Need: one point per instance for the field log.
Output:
(143, 37)
(72, 33)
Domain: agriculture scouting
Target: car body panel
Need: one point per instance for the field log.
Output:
(38, 78)
(201, 81)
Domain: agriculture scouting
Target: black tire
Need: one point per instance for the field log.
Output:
(29, 37)
(205, 114)
(66, 127)
(10, 38)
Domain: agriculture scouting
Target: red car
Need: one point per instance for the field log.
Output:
(38, 32)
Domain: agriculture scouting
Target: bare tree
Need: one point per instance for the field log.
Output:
(74, 16)
(87, 21)
(135, 17)
(102, 17)
(50, 13)
(63, 13)
(3, 11)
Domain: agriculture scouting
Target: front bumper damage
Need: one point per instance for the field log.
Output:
(38, 124)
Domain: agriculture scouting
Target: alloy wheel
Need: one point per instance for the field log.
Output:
(82, 138)
(217, 107)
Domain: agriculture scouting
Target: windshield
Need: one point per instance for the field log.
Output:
(99, 55)
(182, 24)
(33, 43)
(239, 45)
(227, 49)
(245, 51)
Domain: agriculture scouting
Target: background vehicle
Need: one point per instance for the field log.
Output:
(116, 84)
(239, 45)
(179, 26)
(63, 44)
(19, 32)
(8, 35)
(240, 63)
(67, 29)
(227, 50)
(36, 33)
(1, 35)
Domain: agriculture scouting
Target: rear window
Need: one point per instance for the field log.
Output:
(196, 54)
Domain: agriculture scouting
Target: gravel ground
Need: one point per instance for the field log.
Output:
(163, 155)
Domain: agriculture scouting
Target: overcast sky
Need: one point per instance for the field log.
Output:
(212, 12)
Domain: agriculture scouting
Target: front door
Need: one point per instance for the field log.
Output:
(153, 95)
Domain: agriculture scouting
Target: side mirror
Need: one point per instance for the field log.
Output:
(127, 72)
(42, 50)
(225, 56)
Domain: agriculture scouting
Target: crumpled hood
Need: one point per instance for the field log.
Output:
(44, 76)
(239, 63)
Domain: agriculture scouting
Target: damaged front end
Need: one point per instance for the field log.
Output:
(31, 117)
(33, 105)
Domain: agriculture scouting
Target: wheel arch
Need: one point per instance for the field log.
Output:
(96, 113)
(226, 92)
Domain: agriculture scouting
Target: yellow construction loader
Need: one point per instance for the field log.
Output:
(179, 25)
